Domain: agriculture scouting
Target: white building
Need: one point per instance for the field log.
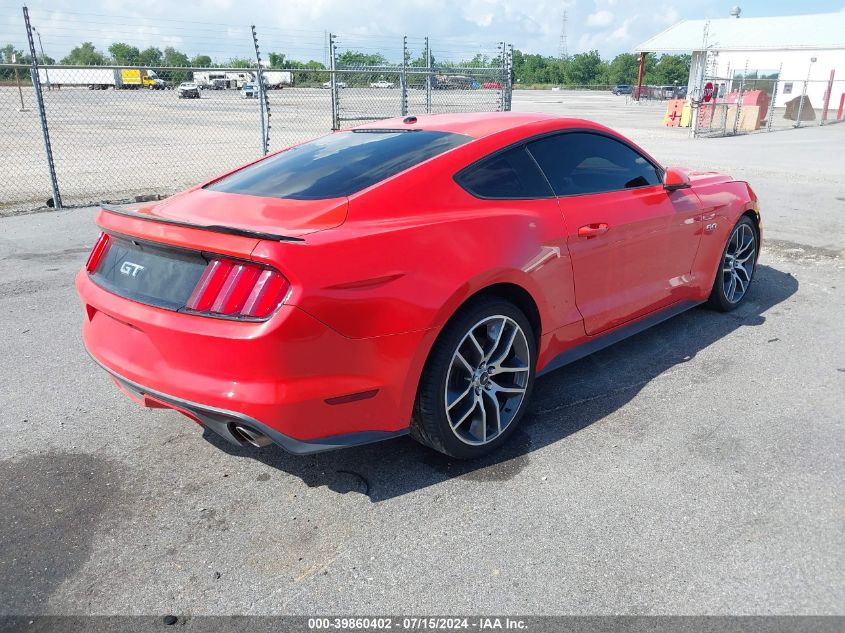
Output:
(789, 49)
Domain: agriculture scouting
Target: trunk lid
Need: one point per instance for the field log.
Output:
(292, 218)
(154, 274)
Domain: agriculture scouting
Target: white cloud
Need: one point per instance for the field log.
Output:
(600, 18)
(220, 28)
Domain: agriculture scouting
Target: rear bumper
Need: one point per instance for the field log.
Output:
(291, 377)
(222, 422)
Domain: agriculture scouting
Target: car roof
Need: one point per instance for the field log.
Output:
(477, 124)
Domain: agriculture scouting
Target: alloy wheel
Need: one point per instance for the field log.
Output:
(487, 380)
(738, 264)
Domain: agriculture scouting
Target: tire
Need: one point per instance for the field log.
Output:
(483, 365)
(736, 266)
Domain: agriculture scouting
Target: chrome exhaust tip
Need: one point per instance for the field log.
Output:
(251, 436)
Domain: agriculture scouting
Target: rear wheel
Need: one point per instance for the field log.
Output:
(477, 380)
(739, 259)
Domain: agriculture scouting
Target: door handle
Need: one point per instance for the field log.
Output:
(593, 230)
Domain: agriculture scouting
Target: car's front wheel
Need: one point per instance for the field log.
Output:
(477, 381)
(736, 269)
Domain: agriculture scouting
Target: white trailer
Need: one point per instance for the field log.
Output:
(217, 79)
(93, 78)
(274, 79)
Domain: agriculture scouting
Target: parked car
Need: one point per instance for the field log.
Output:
(381, 84)
(668, 92)
(376, 282)
(249, 91)
(340, 84)
(454, 82)
(188, 90)
(492, 85)
(622, 89)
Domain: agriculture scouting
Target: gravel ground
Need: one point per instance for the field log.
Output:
(696, 468)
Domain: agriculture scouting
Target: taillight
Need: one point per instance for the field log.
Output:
(238, 289)
(101, 246)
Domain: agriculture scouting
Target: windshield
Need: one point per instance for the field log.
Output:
(339, 164)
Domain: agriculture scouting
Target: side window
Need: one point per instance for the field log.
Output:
(579, 163)
(511, 174)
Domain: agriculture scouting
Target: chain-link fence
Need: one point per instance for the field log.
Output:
(130, 132)
(26, 181)
(752, 101)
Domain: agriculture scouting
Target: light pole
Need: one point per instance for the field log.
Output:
(14, 60)
(43, 59)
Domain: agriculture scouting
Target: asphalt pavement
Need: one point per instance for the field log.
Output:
(696, 468)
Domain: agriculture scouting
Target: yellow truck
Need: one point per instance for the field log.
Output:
(139, 78)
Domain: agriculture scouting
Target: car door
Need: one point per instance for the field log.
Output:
(510, 183)
(631, 241)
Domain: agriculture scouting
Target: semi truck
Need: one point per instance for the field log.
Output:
(101, 78)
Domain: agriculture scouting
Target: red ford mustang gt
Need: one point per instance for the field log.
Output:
(412, 275)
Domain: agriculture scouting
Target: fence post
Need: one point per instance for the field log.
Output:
(42, 113)
(261, 94)
(333, 81)
(428, 76)
(739, 98)
(504, 66)
(403, 79)
(771, 114)
(804, 92)
(509, 83)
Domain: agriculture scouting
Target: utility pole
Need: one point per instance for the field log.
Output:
(563, 49)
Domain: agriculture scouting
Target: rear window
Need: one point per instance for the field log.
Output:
(339, 164)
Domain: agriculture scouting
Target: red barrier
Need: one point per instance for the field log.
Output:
(841, 106)
(828, 95)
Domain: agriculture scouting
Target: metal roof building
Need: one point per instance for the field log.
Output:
(822, 31)
(798, 53)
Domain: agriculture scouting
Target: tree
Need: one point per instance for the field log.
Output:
(422, 61)
(586, 69)
(172, 57)
(356, 58)
(85, 55)
(124, 54)
(149, 57)
(670, 69)
(623, 69)
(240, 62)
(480, 61)
(277, 60)
(9, 52)
(201, 61)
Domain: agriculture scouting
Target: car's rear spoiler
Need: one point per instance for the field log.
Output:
(215, 228)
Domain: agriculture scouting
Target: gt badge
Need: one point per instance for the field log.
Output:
(131, 269)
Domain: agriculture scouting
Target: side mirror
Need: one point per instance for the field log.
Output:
(675, 178)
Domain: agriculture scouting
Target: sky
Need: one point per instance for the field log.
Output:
(220, 28)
